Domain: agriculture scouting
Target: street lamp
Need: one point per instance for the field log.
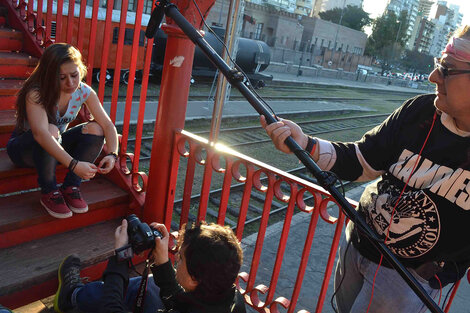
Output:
(337, 29)
(396, 40)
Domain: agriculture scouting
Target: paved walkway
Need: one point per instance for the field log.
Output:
(338, 82)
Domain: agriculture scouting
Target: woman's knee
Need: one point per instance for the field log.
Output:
(54, 131)
(92, 128)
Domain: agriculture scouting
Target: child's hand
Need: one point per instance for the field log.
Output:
(106, 164)
(85, 170)
(160, 253)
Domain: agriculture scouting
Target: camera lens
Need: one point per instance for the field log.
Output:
(141, 235)
(132, 219)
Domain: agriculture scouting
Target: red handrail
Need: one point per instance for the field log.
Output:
(200, 153)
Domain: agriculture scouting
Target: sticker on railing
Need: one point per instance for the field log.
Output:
(177, 61)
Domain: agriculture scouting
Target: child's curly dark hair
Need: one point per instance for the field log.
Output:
(213, 258)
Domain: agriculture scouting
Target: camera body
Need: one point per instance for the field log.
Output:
(141, 235)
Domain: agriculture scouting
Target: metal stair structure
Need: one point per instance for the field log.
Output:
(32, 243)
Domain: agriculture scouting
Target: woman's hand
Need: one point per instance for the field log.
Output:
(160, 253)
(85, 170)
(280, 130)
(120, 235)
(106, 164)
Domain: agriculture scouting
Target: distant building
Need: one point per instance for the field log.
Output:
(325, 5)
(447, 20)
(293, 36)
(425, 36)
(456, 19)
(283, 5)
(424, 7)
(322, 34)
(421, 27)
(277, 28)
(411, 7)
(304, 7)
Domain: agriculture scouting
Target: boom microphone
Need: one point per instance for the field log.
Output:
(155, 20)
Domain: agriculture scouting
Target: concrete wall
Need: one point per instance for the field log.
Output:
(324, 34)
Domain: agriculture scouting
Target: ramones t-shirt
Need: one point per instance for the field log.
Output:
(432, 217)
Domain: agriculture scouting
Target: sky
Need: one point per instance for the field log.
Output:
(377, 7)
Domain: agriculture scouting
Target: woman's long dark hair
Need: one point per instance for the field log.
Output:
(45, 79)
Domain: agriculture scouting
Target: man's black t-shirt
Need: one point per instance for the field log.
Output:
(431, 221)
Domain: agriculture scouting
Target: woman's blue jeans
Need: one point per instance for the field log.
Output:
(87, 298)
(24, 151)
(391, 292)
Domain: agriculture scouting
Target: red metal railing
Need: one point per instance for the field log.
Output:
(91, 32)
(205, 160)
(231, 166)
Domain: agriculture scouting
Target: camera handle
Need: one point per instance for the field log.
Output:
(171, 11)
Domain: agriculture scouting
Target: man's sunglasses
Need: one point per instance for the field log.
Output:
(445, 71)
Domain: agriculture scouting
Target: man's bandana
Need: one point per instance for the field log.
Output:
(459, 49)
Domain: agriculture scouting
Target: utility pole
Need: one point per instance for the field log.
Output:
(337, 30)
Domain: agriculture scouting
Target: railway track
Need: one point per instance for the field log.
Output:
(244, 136)
(256, 202)
(294, 92)
(252, 135)
(248, 136)
(289, 98)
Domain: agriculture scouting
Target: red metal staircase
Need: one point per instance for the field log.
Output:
(32, 243)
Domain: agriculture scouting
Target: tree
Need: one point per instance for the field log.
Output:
(352, 16)
(388, 38)
(417, 62)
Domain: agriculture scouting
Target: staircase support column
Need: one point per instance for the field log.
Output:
(171, 113)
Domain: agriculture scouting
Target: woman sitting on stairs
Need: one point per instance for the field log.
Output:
(48, 101)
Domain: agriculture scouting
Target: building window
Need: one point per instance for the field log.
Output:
(132, 5)
(258, 30)
(53, 29)
(148, 6)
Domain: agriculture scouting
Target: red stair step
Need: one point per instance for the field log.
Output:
(16, 65)
(7, 121)
(7, 125)
(9, 87)
(7, 102)
(29, 270)
(10, 40)
(13, 179)
(22, 217)
(17, 58)
(16, 71)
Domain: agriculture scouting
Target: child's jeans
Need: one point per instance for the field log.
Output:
(24, 151)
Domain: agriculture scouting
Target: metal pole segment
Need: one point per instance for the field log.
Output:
(324, 180)
(223, 89)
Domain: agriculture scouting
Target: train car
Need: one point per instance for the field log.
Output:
(253, 57)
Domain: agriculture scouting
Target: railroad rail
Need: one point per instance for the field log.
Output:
(250, 135)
